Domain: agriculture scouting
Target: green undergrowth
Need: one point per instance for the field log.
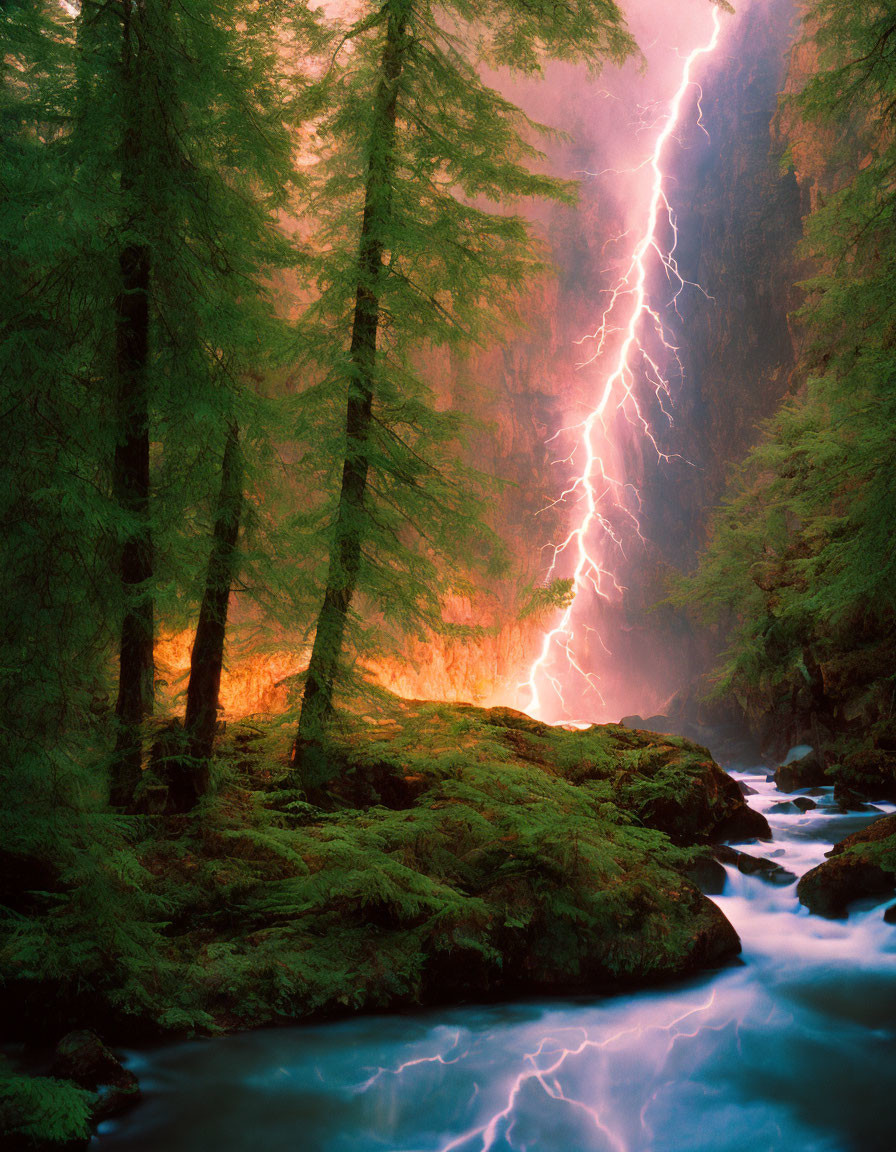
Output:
(39, 1111)
(463, 853)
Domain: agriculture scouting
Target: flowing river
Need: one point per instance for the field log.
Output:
(794, 1049)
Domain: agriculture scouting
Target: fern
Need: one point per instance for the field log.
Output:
(42, 1110)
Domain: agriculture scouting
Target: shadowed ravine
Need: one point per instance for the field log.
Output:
(792, 1049)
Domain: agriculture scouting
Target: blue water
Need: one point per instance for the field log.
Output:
(794, 1050)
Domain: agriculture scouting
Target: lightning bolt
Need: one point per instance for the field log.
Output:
(605, 499)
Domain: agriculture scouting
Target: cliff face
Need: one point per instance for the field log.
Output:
(825, 677)
(739, 219)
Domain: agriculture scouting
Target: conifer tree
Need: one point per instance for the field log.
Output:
(147, 152)
(53, 563)
(62, 923)
(207, 656)
(141, 112)
(417, 148)
(197, 164)
(135, 271)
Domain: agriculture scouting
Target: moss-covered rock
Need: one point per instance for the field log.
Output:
(84, 1059)
(460, 853)
(666, 782)
(866, 773)
(863, 864)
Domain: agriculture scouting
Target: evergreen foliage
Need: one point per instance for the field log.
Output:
(204, 129)
(801, 556)
(40, 1112)
(420, 162)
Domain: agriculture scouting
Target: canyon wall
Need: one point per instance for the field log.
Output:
(739, 213)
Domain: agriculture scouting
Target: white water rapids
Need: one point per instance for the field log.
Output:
(794, 1050)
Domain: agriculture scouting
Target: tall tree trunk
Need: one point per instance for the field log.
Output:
(207, 659)
(131, 466)
(345, 555)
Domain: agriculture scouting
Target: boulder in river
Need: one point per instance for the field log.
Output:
(464, 853)
(791, 807)
(759, 866)
(83, 1058)
(743, 825)
(866, 774)
(863, 864)
(764, 869)
(458, 853)
(674, 785)
(806, 772)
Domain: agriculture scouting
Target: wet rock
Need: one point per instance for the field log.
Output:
(854, 869)
(745, 789)
(708, 875)
(716, 942)
(764, 869)
(725, 854)
(869, 774)
(807, 772)
(890, 914)
(743, 825)
(759, 866)
(829, 889)
(792, 807)
(781, 877)
(83, 1058)
(785, 808)
(848, 800)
